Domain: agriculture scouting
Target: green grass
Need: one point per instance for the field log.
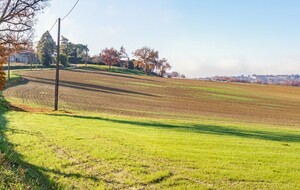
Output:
(148, 85)
(86, 151)
(12, 174)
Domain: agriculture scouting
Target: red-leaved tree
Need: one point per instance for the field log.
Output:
(110, 56)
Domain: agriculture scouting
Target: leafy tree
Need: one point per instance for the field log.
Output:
(67, 47)
(110, 56)
(63, 59)
(81, 50)
(75, 52)
(17, 18)
(45, 49)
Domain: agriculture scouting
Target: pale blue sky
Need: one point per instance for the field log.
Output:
(199, 37)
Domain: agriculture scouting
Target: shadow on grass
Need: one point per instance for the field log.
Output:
(29, 174)
(204, 129)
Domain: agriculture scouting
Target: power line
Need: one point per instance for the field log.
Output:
(53, 25)
(70, 10)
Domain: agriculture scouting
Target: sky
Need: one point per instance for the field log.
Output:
(200, 38)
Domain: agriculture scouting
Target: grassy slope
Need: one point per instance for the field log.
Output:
(11, 173)
(88, 150)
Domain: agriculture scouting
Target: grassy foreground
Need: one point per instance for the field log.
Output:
(79, 151)
(41, 149)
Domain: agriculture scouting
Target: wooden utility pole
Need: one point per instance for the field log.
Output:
(8, 64)
(57, 69)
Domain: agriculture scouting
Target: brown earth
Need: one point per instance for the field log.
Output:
(143, 96)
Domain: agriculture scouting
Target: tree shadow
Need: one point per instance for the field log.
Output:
(204, 129)
(34, 177)
(89, 87)
(32, 174)
(108, 73)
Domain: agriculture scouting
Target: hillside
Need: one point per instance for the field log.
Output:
(128, 131)
(136, 95)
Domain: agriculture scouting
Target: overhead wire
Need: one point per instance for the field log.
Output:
(70, 10)
(62, 18)
(53, 25)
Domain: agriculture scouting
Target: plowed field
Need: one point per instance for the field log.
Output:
(112, 93)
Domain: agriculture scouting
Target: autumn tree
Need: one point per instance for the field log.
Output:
(146, 57)
(45, 49)
(17, 18)
(149, 60)
(110, 56)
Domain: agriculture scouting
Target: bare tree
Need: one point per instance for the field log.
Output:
(164, 67)
(124, 55)
(17, 18)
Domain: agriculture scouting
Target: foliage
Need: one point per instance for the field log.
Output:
(63, 59)
(148, 60)
(67, 47)
(82, 50)
(45, 49)
(16, 21)
(75, 60)
(130, 64)
(73, 50)
(2, 61)
(110, 56)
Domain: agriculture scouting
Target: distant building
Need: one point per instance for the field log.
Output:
(24, 57)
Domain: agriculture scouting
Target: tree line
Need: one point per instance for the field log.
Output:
(145, 58)
(70, 52)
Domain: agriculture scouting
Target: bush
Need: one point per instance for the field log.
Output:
(63, 60)
(130, 65)
(75, 60)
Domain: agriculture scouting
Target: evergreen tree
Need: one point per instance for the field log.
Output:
(45, 49)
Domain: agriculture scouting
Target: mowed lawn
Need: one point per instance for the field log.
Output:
(210, 138)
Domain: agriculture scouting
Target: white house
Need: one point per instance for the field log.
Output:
(23, 57)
